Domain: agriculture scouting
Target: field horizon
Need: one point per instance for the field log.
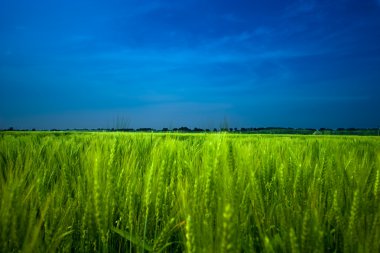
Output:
(244, 130)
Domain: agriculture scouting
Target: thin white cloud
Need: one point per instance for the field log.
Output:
(337, 98)
(263, 30)
(230, 17)
(146, 7)
(197, 57)
(275, 99)
(300, 7)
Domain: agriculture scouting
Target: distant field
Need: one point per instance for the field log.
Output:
(136, 192)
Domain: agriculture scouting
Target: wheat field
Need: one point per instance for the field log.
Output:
(150, 192)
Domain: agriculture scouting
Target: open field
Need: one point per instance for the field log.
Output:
(136, 192)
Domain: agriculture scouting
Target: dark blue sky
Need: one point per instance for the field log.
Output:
(90, 64)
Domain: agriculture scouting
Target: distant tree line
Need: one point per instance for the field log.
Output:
(251, 130)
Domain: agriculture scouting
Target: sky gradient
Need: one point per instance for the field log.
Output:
(95, 64)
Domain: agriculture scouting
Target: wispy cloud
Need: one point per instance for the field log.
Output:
(209, 54)
(230, 17)
(141, 9)
(300, 7)
(325, 99)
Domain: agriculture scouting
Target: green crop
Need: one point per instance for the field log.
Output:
(136, 192)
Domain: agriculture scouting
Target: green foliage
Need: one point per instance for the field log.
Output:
(136, 192)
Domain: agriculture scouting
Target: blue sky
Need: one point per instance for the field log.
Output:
(90, 64)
